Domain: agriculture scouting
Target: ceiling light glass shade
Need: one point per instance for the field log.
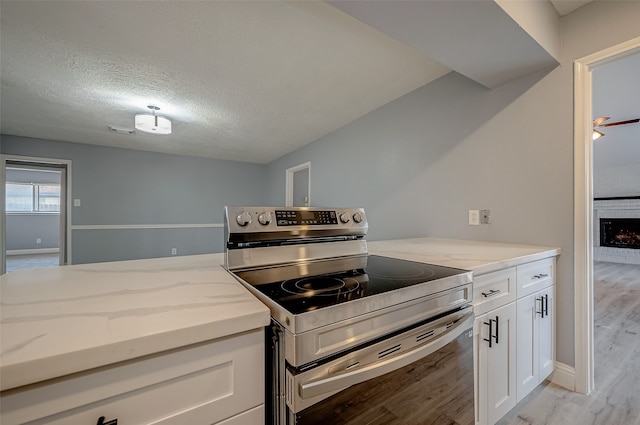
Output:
(153, 124)
(597, 134)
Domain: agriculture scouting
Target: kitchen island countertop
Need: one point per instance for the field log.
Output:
(61, 320)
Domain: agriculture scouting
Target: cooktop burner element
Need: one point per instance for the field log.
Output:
(321, 286)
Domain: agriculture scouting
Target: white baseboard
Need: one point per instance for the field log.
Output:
(565, 376)
(32, 251)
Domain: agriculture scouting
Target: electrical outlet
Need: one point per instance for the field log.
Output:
(38, 240)
(474, 217)
(485, 216)
(174, 251)
(76, 202)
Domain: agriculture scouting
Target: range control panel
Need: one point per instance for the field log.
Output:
(293, 219)
(310, 218)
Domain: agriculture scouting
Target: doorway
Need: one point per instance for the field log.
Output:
(298, 185)
(583, 208)
(35, 213)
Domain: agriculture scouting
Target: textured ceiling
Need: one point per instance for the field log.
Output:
(247, 81)
(241, 80)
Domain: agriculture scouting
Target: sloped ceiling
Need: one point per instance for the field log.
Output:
(564, 7)
(242, 80)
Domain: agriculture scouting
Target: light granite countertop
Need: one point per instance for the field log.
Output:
(61, 320)
(477, 256)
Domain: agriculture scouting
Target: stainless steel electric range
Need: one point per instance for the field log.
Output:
(339, 315)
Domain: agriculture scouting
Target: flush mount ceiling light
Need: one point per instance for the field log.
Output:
(152, 123)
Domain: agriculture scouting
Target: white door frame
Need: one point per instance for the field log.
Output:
(289, 183)
(583, 208)
(66, 237)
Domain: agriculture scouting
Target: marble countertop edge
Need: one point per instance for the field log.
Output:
(66, 363)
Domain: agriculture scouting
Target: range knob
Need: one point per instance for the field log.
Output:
(243, 218)
(265, 218)
(344, 217)
(357, 217)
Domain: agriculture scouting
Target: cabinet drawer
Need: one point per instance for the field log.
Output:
(204, 383)
(493, 290)
(535, 276)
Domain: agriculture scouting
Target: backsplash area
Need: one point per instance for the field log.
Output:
(611, 210)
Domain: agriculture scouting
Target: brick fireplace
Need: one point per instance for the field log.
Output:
(617, 230)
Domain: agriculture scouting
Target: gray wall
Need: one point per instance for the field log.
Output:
(24, 229)
(121, 187)
(417, 165)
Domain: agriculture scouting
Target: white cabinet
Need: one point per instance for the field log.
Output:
(513, 335)
(220, 381)
(535, 353)
(495, 339)
(494, 296)
(494, 290)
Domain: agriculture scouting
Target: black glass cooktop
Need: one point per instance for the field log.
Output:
(310, 286)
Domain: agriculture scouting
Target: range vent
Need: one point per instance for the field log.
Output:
(385, 353)
(425, 335)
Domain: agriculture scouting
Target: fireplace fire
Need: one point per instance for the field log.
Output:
(620, 232)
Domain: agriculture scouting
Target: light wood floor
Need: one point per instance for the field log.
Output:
(31, 261)
(616, 399)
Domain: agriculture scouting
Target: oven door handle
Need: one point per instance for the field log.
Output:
(338, 382)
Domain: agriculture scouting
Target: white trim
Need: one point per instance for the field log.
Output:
(32, 251)
(143, 226)
(289, 183)
(583, 251)
(565, 376)
(583, 207)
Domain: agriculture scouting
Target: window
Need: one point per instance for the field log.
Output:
(32, 197)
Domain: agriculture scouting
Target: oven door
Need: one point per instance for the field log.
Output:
(371, 377)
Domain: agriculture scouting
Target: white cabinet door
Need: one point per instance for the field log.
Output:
(535, 340)
(496, 362)
(546, 334)
(528, 328)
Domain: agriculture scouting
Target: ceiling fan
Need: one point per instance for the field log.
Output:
(599, 123)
